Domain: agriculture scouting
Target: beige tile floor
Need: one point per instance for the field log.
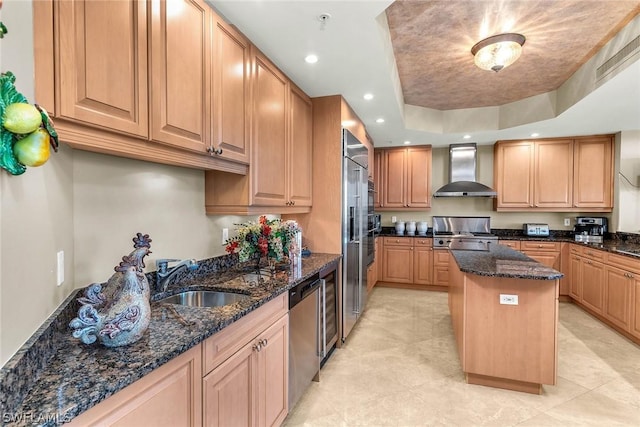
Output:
(400, 367)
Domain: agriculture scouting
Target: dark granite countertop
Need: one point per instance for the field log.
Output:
(502, 261)
(75, 376)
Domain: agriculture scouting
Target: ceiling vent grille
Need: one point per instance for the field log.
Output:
(632, 48)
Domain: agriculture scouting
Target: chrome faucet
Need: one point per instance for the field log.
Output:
(165, 273)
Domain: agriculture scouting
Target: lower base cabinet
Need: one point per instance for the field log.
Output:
(250, 388)
(246, 380)
(407, 260)
(441, 267)
(169, 396)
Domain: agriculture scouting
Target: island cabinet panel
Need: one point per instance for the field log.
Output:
(406, 178)
(554, 175)
(101, 64)
(180, 76)
(499, 340)
(170, 395)
(230, 93)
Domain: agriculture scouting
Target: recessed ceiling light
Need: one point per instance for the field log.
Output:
(368, 96)
(311, 59)
(407, 142)
(467, 136)
(380, 120)
(533, 135)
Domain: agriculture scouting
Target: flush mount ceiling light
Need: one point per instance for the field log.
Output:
(497, 52)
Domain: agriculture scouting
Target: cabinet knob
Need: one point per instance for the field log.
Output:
(264, 342)
(257, 347)
(214, 151)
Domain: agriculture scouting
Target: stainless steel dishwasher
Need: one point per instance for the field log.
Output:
(304, 337)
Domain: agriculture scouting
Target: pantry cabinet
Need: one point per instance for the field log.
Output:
(406, 178)
(170, 395)
(554, 175)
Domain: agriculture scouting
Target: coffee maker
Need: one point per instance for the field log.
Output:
(589, 229)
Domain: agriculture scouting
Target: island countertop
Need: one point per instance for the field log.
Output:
(51, 389)
(502, 261)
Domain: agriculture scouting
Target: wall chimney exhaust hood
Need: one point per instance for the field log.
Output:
(462, 174)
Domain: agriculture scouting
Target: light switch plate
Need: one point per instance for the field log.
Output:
(508, 299)
(567, 221)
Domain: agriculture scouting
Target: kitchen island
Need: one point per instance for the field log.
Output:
(504, 310)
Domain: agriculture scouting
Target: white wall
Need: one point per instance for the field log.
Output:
(476, 206)
(628, 212)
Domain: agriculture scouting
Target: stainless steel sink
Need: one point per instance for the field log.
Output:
(204, 298)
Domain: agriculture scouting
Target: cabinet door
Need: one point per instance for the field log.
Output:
(550, 259)
(181, 73)
(422, 264)
(593, 173)
(418, 193)
(398, 264)
(379, 258)
(101, 64)
(171, 395)
(394, 179)
(441, 267)
(273, 368)
(553, 174)
(575, 286)
(300, 173)
(230, 93)
(230, 391)
(268, 133)
(513, 170)
(378, 158)
(618, 288)
(593, 285)
(635, 305)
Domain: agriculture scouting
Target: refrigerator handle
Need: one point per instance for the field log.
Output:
(360, 249)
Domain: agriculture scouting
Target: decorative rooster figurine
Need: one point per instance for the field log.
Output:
(119, 313)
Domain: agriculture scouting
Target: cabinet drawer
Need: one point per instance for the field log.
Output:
(513, 244)
(575, 249)
(398, 241)
(441, 258)
(593, 254)
(540, 246)
(223, 344)
(623, 262)
(422, 242)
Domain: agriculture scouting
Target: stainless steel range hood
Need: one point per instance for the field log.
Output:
(462, 174)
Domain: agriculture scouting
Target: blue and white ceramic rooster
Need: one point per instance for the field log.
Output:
(119, 312)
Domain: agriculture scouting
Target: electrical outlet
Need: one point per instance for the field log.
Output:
(508, 299)
(225, 235)
(393, 219)
(567, 222)
(60, 268)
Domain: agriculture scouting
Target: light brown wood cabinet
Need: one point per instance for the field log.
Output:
(441, 267)
(250, 388)
(554, 175)
(407, 260)
(405, 174)
(547, 253)
(119, 80)
(513, 244)
(170, 395)
(280, 177)
(378, 158)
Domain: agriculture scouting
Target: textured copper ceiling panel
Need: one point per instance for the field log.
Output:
(432, 43)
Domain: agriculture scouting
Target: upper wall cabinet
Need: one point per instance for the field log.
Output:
(406, 178)
(280, 176)
(554, 175)
(101, 67)
(119, 79)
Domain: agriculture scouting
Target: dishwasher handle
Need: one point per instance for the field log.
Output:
(310, 288)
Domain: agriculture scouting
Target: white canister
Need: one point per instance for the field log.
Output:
(411, 228)
(400, 227)
(422, 228)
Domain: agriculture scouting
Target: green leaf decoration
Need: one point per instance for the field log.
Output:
(9, 95)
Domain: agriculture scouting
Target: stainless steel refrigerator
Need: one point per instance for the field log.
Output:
(354, 232)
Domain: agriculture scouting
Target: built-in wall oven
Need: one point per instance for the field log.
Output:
(373, 224)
